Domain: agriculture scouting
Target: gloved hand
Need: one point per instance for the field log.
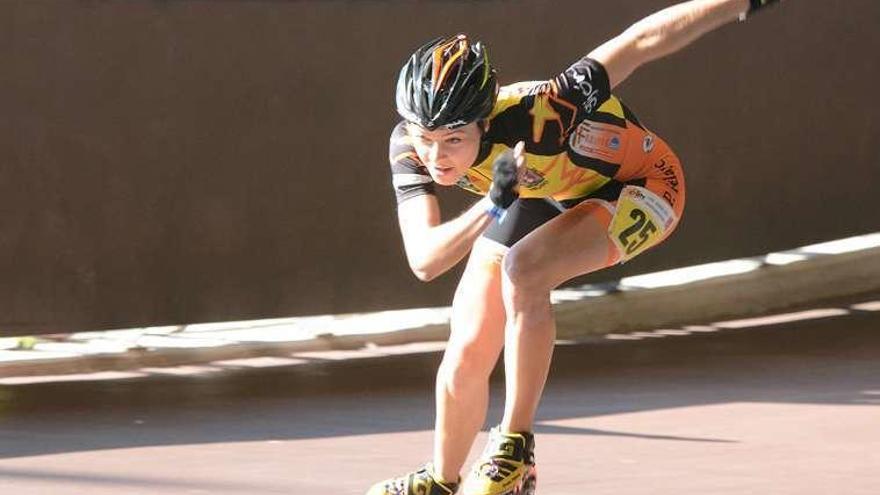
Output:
(759, 4)
(505, 177)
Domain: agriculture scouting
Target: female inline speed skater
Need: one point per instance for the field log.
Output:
(573, 183)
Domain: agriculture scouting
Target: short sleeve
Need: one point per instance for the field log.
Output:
(408, 176)
(584, 84)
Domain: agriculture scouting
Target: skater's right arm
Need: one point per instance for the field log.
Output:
(433, 247)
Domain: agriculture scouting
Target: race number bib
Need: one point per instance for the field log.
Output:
(641, 221)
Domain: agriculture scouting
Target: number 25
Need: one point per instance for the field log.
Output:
(643, 226)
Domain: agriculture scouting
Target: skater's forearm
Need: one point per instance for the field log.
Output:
(673, 28)
(432, 248)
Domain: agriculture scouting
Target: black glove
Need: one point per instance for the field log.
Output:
(505, 183)
(759, 4)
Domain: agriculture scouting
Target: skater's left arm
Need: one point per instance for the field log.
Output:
(666, 32)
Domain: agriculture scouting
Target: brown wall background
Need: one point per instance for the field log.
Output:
(187, 161)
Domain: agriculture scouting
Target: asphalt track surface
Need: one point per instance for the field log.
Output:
(790, 408)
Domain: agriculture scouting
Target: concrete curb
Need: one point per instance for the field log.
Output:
(158, 358)
(770, 288)
(765, 289)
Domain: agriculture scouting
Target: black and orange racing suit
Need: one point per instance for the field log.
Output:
(582, 145)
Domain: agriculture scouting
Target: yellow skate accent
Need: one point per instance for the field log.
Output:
(420, 482)
(500, 470)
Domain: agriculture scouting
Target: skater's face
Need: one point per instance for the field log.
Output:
(447, 154)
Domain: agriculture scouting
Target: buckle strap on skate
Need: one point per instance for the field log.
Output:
(428, 480)
(513, 446)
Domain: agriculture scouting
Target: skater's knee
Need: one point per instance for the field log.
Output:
(523, 274)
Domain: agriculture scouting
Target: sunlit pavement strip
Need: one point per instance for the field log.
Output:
(308, 329)
(225, 365)
(763, 321)
(868, 306)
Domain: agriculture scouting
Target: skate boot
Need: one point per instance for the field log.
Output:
(421, 482)
(506, 467)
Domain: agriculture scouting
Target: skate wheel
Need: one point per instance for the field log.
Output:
(528, 486)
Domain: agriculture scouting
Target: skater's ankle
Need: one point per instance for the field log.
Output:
(514, 428)
(445, 477)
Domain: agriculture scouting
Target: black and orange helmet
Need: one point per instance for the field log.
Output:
(448, 82)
